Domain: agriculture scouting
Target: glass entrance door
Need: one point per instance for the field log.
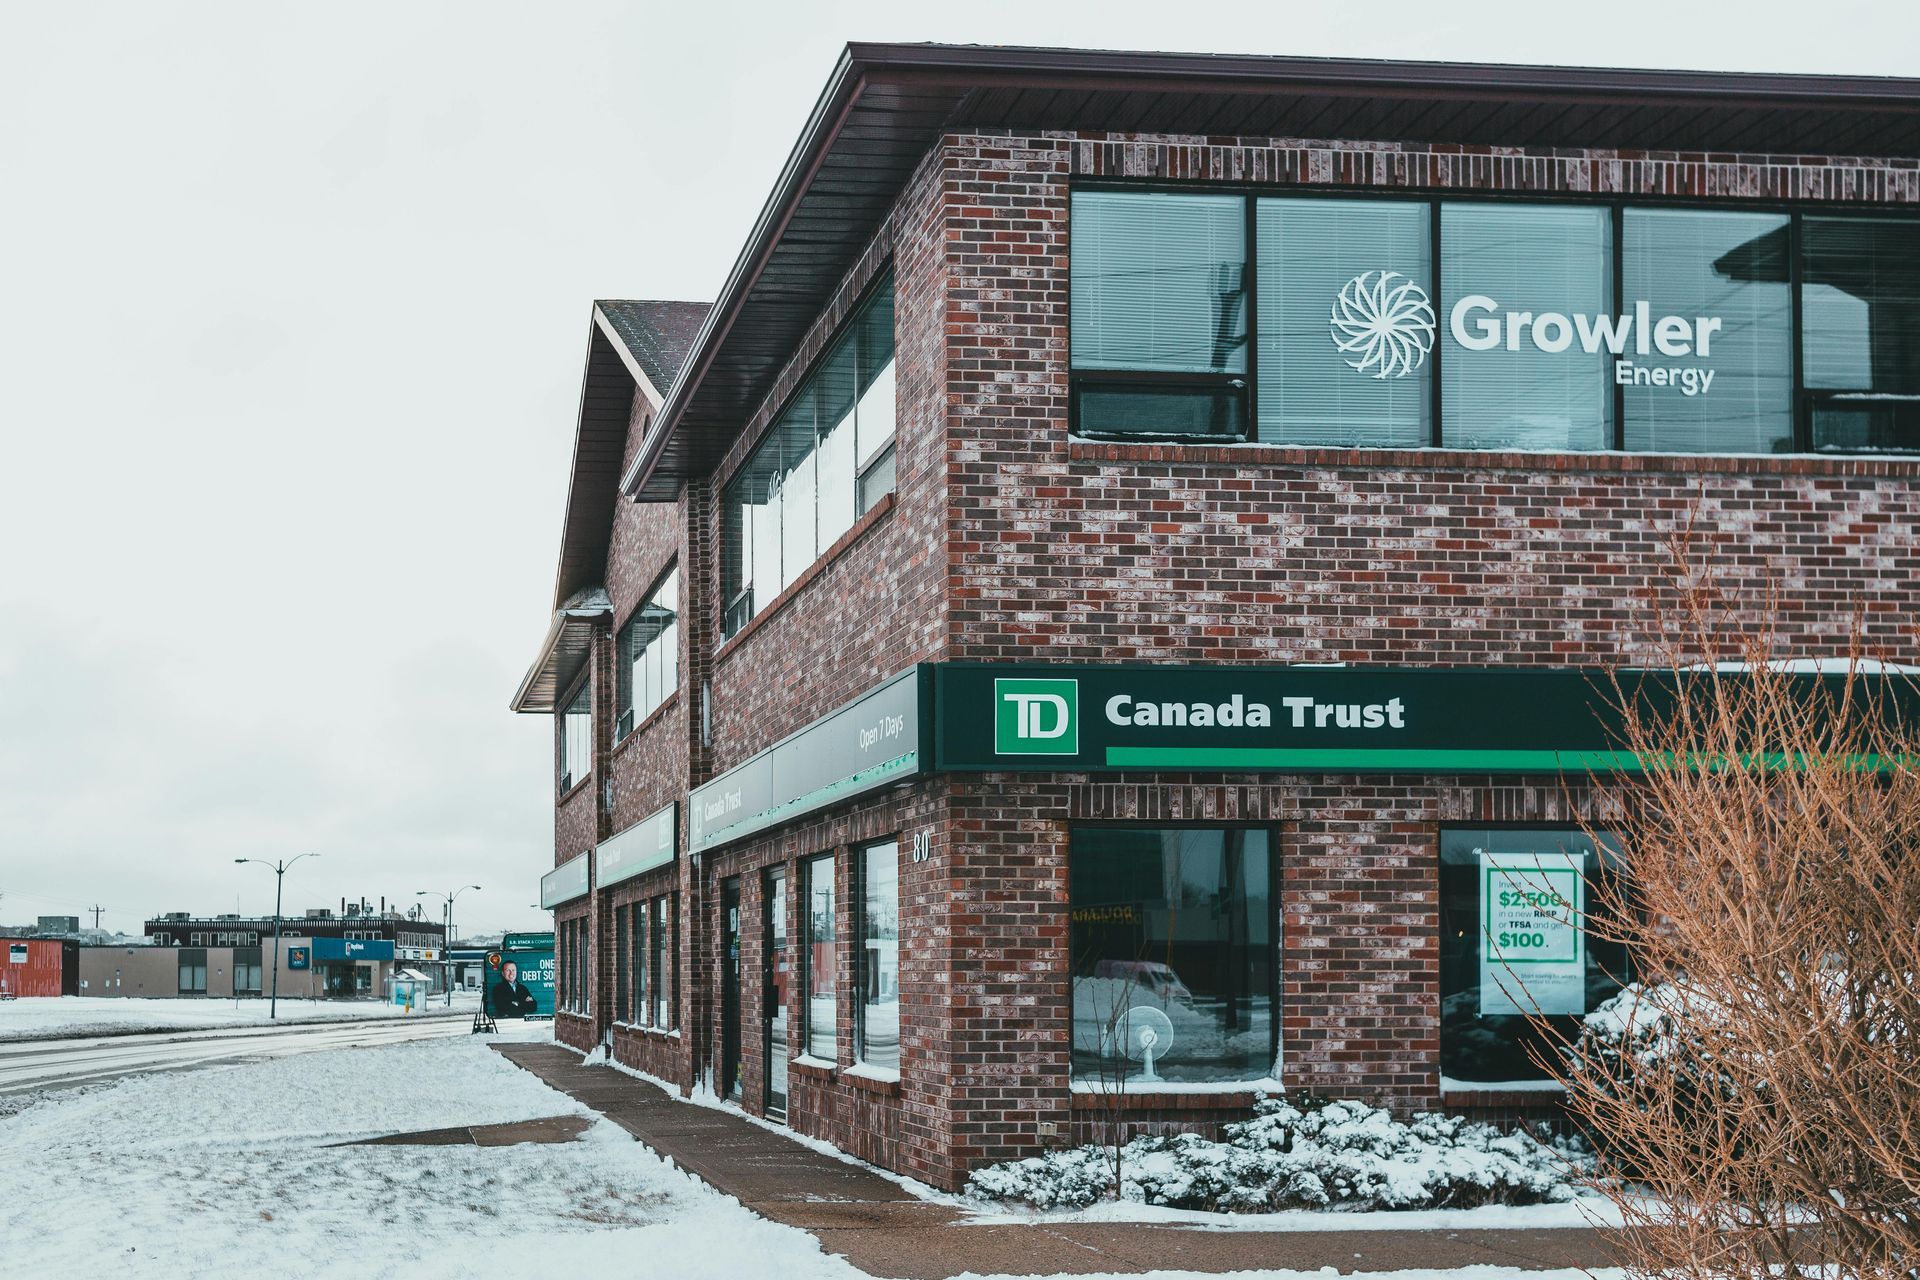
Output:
(774, 985)
(730, 988)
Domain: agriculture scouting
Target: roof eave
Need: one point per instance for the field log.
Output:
(862, 65)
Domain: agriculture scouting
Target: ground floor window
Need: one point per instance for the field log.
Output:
(877, 1043)
(193, 973)
(665, 963)
(1174, 937)
(642, 974)
(573, 970)
(1514, 943)
(619, 960)
(821, 958)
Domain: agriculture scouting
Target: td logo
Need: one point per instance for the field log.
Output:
(1036, 717)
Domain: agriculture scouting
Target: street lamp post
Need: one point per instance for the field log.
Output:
(279, 870)
(446, 943)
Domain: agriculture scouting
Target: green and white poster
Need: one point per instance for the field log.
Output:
(1533, 958)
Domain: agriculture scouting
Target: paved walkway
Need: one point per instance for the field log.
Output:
(885, 1231)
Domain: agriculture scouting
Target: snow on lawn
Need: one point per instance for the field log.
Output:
(35, 1019)
(229, 1172)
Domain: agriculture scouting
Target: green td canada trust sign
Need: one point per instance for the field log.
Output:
(1033, 717)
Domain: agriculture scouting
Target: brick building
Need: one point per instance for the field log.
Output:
(1127, 549)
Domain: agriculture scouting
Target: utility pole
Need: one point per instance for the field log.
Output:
(96, 917)
(446, 943)
(279, 870)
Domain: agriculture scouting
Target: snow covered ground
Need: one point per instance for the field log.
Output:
(33, 1019)
(234, 1171)
(231, 1172)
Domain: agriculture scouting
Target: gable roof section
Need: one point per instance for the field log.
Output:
(656, 336)
(633, 346)
(885, 105)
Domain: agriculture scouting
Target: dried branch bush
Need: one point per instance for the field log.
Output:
(1755, 1095)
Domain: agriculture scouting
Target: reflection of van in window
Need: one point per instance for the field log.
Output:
(1148, 975)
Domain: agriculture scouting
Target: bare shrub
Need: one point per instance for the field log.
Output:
(1755, 1097)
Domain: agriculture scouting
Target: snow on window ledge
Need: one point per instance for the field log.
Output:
(886, 1075)
(1450, 1085)
(1138, 1088)
(817, 1064)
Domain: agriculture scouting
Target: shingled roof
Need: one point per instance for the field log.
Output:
(634, 346)
(658, 335)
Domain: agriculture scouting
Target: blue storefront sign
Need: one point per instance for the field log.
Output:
(299, 957)
(351, 949)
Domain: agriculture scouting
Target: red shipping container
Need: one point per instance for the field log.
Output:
(39, 967)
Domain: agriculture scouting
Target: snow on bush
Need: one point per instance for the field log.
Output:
(1334, 1155)
(1641, 1030)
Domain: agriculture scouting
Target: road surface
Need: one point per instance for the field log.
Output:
(30, 1065)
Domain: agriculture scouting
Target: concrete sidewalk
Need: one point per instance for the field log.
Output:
(885, 1231)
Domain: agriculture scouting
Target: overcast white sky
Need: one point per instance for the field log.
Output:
(293, 301)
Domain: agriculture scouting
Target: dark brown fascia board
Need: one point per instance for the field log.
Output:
(979, 66)
(816, 136)
(596, 330)
(965, 67)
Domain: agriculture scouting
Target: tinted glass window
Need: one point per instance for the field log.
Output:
(1159, 282)
(828, 458)
(1860, 315)
(879, 1039)
(1346, 322)
(650, 654)
(576, 737)
(1717, 376)
(1497, 966)
(1173, 933)
(1515, 373)
(822, 958)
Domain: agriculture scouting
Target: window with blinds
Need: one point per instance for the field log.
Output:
(649, 654)
(1581, 326)
(1529, 259)
(1158, 320)
(576, 737)
(1732, 267)
(1310, 250)
(827, 460)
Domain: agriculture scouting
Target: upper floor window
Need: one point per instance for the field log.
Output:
(1480, 324)
(576, 737)
(1159, 326)
(1860, 323)
(827, 460)
(649, 654)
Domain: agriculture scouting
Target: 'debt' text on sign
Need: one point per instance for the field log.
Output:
(1235, 712)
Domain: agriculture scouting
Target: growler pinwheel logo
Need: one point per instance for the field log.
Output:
(1383, 324)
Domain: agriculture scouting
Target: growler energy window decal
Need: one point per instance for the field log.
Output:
(1383, 326)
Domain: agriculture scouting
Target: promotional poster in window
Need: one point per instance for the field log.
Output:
(519, 977)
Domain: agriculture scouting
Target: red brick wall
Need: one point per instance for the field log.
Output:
(875, 608)
(1078, 550)
(1359, 934)
(904, 1125)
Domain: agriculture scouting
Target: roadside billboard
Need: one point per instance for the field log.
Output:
(518, 977)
